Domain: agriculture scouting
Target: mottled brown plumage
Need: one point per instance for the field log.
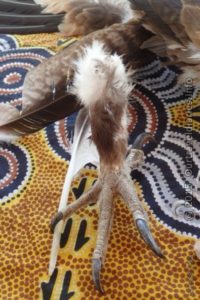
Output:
(45, 87)
(83, 17)
(175, 24)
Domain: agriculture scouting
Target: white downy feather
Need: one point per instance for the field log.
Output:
(94, 68)
(83, 152)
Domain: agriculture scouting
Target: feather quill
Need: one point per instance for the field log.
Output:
(13, 125)
(83, 152)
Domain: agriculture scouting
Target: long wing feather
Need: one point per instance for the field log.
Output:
(80, 144)
(37, 119)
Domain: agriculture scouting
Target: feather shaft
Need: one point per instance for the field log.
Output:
(81, 133)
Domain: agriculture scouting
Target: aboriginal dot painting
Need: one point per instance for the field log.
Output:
(32, 173)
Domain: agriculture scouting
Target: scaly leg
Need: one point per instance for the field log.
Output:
(130, 197)
(109, 183)
(103, 233)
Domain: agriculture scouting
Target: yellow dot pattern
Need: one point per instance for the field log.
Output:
(182, 114)
(131, 270)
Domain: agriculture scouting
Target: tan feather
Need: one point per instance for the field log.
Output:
(83, 17)
(181, 40)
(157, 45)
(190, 18)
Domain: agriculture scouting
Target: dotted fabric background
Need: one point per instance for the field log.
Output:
(32, 173)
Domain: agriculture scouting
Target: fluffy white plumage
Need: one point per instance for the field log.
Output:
(99, 74)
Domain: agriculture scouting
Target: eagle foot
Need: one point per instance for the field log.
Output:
(108, 185)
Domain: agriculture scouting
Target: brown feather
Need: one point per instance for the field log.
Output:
(83, 17)
(182, 18)
(105, 128)
(169, 12)
(153, 21)
(190, 17)
(157, 45)
(42, 116)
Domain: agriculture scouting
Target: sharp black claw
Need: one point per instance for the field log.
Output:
(147, 237)
(58, 217)
(96, 270)
(142, 139)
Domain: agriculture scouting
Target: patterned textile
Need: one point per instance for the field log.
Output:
(32, 173)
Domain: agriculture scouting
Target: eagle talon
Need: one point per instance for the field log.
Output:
(142, 139)
(96, 270)
(145, 233)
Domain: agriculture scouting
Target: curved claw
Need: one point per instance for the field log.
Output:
(96, 270)
(142, 139)
(58, 217)
(147, 237)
